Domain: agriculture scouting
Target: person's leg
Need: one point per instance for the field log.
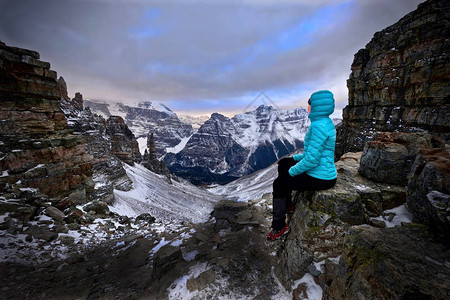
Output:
(282, 189)
(304, 182)
(279, 203)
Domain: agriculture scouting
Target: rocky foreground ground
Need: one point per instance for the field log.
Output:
(145, 260)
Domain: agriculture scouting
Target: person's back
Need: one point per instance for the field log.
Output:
(312, 170)
(317, 159)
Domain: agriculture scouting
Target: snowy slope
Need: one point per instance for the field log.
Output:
(152, 193)
(250, 187)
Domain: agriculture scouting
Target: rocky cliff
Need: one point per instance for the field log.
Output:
(40, 159)
(358, 243)
(123, 142)
(108, 173)
(354, 239)
(400, 80)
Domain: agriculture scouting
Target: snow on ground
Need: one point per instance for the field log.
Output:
(180, 146)
(400, 215)
(249, 187)
(152, 193)
(313, 290)
(116, 109)
(219, 289)
(142, 141)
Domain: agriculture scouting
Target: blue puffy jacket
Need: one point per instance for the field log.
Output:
(317, 159)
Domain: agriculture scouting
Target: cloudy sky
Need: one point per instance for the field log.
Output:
(199, 56)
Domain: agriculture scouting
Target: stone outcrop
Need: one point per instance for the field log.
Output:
(151, 162)
(353, 255)
(400, 81)
(390, 157)
(40, 159)
(321, 219)
(428, 196)
(165, 259)
(123, 141)
(393, 263)
(63, 89)
(108, 173)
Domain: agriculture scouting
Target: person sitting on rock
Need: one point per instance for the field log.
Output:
(311, 171)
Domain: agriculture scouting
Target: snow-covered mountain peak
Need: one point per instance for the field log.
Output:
(243, 144)
(195, 122)
(264, 108)
(220, 117)
(155, 106)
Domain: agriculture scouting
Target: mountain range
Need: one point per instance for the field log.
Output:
(219, 149)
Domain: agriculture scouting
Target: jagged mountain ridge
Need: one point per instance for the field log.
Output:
(146, 118)
(225, 148)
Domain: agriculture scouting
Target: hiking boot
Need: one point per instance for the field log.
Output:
(276, 234)
(290, 209)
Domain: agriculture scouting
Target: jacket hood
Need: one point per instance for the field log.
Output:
(322, 104)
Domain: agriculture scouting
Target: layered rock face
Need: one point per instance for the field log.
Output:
(108, 173)
(390, 157)
(395, 263)
(123, 142)
(429, 190)
(37, 150)
(400, 80)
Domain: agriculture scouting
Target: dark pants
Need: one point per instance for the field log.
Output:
(283, 186)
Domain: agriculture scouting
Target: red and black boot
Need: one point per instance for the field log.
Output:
(276, 234)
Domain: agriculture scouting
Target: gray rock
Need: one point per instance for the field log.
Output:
(54, 213)
(200, 282)
(23, 212)
(165, 259)
(313, 270)
(41, 233)
(98, 207)
(225, 212)
(389, 158)
(391, 263)
(378, 223)
(66, 240)
(429, 190)
(145, 217)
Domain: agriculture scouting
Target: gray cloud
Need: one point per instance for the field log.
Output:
(194, 50)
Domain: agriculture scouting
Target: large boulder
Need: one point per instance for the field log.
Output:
(165, 259)
(391, 263)
(389, 158)
(225, 212)
(428, 193)
(123, 142)
(321, 219)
